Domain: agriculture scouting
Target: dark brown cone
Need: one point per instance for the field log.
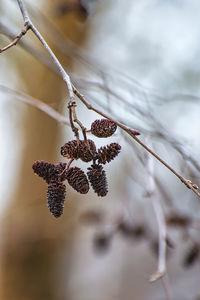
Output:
(103, 128)
(87, 150)
(97, 178)
(107, 153)
(49, 172)
(77, 179)
(70, 149)
(55, 198)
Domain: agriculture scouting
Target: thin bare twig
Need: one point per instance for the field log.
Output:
(35, 103)
(161, 272)
(73, 127)
(28, 22)
(16, 40)
(162, 229)
(133, 133)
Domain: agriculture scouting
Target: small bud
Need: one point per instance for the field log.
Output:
(77, 179)
(107, 153)
(49, 172)
(103, 128)
(97, 178)
(55, 198)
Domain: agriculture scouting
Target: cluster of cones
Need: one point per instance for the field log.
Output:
(55, 174)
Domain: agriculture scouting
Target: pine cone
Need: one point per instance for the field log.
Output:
(107, 153)
(49, 172)
(103, 128)
(55, 198)
(77, 179)
(87, 150)
(70, 149)
(97, 178)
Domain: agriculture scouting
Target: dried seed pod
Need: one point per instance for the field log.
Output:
(87, 150)
(97, 178)
(70, 149)
(103, 128)
(107, 153)
(55, 198)
(49, 172)
(77, 179)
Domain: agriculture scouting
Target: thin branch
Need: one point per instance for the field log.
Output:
(162, 229)
(133, 133)
(73, 127)
(28, 22)
(35, 103)
(16, 40)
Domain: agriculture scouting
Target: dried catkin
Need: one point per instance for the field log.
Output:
(103, 128)
(97, 178)
(55, 198)
(77, 179)
(49, 172)
(107, 153)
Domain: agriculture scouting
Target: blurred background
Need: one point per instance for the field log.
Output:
(137, 61)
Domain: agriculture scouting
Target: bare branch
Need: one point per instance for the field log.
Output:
(28, 22)
(16, 40)
(35, 103)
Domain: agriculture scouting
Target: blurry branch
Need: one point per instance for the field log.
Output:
(161, 272)
(35, 103)
(16, 40)
(162, 230)
(74, 91)
(28, 23)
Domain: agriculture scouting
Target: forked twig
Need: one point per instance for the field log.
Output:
(16, 40)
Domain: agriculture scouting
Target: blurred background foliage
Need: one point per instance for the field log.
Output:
(139, 62)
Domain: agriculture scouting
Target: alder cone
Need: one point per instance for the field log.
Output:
(48, 171)
(55, 198)
(97, 178)
(70, 149)
(103, 128)
(87, 150)
(77, 179)
(107, 153)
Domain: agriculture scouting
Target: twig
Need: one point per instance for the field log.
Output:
(73, 127)
(28, 22)
(161, 272)
(35, 103)
(162, 230)
(133, 133)
(16, 40)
